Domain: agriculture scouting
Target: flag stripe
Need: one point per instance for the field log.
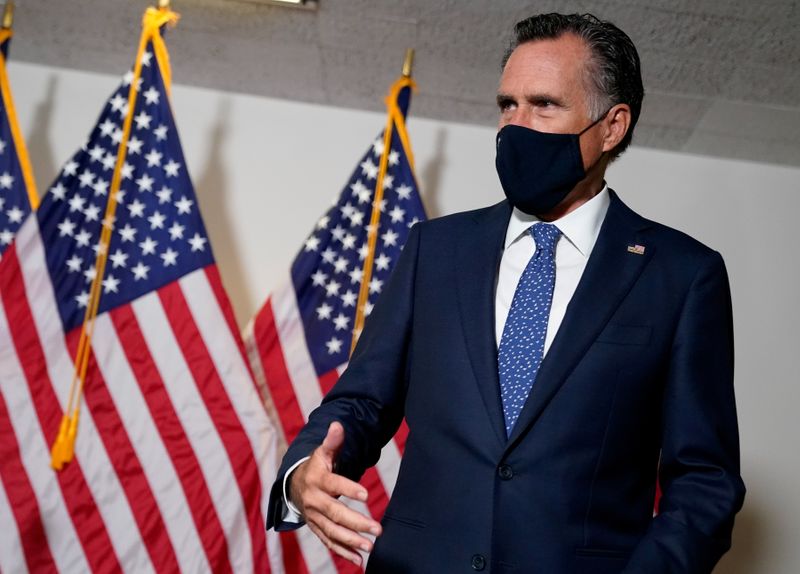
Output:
(159, 440)
(24, 506)
(60, 531)
(234, 441)
(97, 472)
(293, 563)
(80, 503)
(125, 463)
(227, 358)
(205, 442)
(276, 373)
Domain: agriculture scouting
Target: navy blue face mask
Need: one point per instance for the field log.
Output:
(537, 170)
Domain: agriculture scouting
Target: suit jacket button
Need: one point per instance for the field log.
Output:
(505, 471)
(478, 562)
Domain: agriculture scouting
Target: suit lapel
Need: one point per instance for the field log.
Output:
(477, 263)
(609, 275)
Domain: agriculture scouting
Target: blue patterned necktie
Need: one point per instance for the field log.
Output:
(522, 344)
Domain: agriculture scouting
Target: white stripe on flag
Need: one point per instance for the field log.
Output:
(89, 449)
(11, 557)
(146, 441)
(316, 556)
(235, 377)
(202, 434)
(35, 454)
(388, 466)
(295, 351)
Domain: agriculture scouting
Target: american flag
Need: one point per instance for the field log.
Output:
(175, 450)
(17, 188)
(299, 341)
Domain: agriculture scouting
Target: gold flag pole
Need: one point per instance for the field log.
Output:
(372, 229)
(63, 447)
(8, 15)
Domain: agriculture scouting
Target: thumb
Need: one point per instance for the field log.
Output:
(333, 442)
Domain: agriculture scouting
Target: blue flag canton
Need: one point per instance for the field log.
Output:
(328, 271)
(158, 235)
(14, 201)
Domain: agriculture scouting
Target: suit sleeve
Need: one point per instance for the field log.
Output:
(699, 471)
(368, 399)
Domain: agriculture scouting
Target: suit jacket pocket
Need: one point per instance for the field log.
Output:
(617, 334)
(410, 522)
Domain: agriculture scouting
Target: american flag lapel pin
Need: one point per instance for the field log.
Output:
(637, 249)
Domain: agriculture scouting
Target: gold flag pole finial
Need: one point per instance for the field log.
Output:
(8, 15)
(408, 64)
(162, 4)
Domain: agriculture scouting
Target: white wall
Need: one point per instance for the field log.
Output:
(266, 169)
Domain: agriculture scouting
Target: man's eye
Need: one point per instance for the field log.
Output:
(505, 105)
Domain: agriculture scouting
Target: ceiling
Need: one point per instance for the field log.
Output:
(722, 77)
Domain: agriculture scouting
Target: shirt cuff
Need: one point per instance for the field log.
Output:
(290, 512)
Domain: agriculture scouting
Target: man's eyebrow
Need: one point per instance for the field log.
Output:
(504, 99)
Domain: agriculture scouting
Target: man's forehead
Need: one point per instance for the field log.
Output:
(546, 62)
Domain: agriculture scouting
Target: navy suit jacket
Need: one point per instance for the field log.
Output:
(640, 369)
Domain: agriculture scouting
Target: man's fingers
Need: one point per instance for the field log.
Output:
(338, 534)
(332, 443)
(337, 485)
(347, 553)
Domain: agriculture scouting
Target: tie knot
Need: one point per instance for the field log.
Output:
(545, 235)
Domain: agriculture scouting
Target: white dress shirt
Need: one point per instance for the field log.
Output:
(579, 231)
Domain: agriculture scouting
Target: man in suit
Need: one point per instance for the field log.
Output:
(554, 356)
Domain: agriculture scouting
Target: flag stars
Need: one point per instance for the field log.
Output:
(82, 299)
(92, 212)
(397, 214)
(170, 257)
(127, 233)
(66, 228)
(110, 284)
(382, 262)
(83, 238)
(2, 147)
(106, 129)
(328, 255)
(140, 271)
(86, 179)
(90, 274)
(100, 187)
(151, 95)
(334, 346)
(148, 246)
(341, 265)
(164, 195)
(119, 259)
(404, 191)
(349, 241)
(74, 264)
(369, 169)
(319, 278)
(171, 169)
(332, 288)
(389, 238)
(116, 137)
(145, 183)
(117, 103)
(15, 214)
(97, 153)
(146, 58)
(142, 120)
(394, 157)
(176, 231)
(109, 161)
(312, 243)
(323, 222)
(6, 236)
(341, 322)
(135, 145)
(184, 205)
(349, 299)
(136, 208)
(378, 146)
(338, 233)
(375, 285)
(357, 218)
(157, 220)
(388, 181)
(198, 242)
(160, 132)
(361, 191)
(127, 170)
(76, 203)
(324, 311)
(58, 191)
(154, 158)
(356, 275)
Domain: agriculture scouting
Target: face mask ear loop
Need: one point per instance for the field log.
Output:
(594, 123)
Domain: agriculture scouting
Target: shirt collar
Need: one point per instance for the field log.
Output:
(581, 226)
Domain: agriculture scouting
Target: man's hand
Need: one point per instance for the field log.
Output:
(314, 489)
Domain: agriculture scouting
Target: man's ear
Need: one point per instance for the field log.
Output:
(617, 122)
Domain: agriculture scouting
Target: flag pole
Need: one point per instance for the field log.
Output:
(8, 15)
(372, 229)
(63, 447)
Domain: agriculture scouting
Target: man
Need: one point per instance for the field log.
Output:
(514, 462)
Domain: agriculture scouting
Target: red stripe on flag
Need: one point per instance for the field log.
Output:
(80, 503)
(378, 498)
(172, 434)
(125, 463)
(215, 281)
(210, 387)
(265, 334)
(293, 562)
(401, 436)
(327, 380)
(22, 498)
